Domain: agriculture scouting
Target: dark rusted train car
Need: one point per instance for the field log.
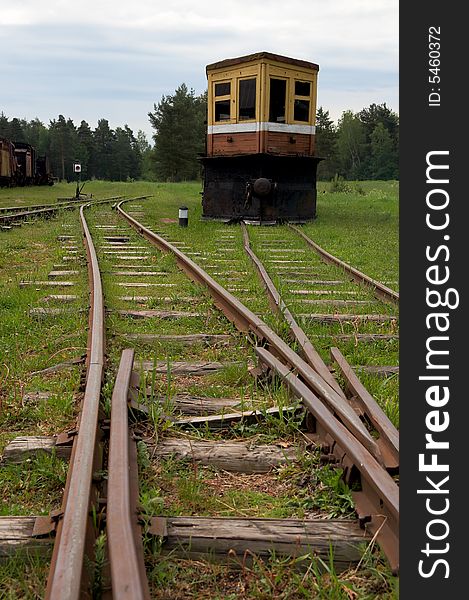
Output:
(260, 161)
(43, 171)
(26, 160)
(20, 165)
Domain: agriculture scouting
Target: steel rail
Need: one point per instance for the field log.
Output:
(14, 209)
(125, 547)
(388, 433)
(389, 437)
(51, 209)
(32, 213)
(345, 411)
(246, 320)
(378, 502)
(376, 478)
(65, 575)
(380, 290)
(307, 349)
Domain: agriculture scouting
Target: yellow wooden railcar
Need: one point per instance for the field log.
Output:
(8, 164)
(260, 161)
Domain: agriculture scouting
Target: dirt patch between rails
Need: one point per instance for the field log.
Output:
(267, 483)
(210, 489)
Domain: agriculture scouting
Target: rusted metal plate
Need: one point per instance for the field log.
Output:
(159, 527)
(44, 526)
(66, 438)
(228, 181)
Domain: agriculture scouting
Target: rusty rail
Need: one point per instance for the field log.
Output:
(59, 203)
(50, 209)
(18, 216)
(65, 575)
(377, 503)
(381, 291)
(389, 437)
(380, 495)
(123, 531)
(307, 349)
(246, 320)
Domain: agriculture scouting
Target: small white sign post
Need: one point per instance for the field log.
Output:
(77, 170)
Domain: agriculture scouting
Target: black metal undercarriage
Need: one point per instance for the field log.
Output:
(260, 187)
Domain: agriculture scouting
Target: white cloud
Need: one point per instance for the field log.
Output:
(100, 55)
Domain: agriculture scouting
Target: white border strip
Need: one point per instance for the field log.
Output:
(263, 126)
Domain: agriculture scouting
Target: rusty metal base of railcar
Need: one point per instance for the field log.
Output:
(261, 188)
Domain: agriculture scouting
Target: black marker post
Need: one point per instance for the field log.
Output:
(183, 216)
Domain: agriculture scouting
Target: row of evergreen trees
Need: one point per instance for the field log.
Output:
(362, 145)
(104, 153)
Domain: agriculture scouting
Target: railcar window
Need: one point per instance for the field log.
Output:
(223, 89)
(302, 88)
(278, 93)
(222, 110)
(301, 103)
(301, 110)
(247, 99)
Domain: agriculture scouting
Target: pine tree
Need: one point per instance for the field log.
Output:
(145, 153)
(4, 126)
(383, 154)
(121, 156)
(371, 118)
(104, 138)
(63, 142)
(37, 134)
(16, 132)
(179, 136)
(85, 151)
(351, 145)
(326, 144)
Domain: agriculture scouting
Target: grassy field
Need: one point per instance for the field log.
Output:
(359, 224)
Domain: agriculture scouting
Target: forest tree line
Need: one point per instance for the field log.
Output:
(362, 145)
(104, 153)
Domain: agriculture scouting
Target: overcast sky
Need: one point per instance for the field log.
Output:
(93, 59)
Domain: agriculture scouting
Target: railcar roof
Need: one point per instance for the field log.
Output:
(229, 62)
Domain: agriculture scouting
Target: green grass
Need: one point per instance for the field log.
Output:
(29, 344)
(279, 578)
(301, 489)
(363, 230)
(23, 577)
(34, 486)
(359, 226)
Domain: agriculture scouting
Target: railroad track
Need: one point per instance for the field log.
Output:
(16, 215)
(333, 424)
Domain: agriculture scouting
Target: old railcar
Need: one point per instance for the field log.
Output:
(43, 171)
(26, 159)
(260, 161)
(8, 164)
